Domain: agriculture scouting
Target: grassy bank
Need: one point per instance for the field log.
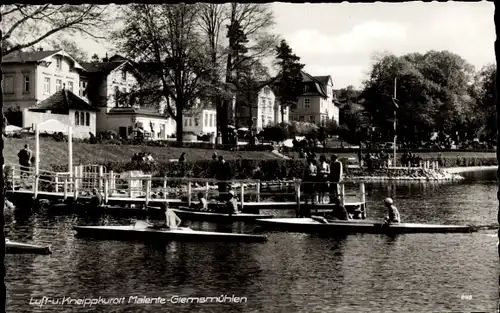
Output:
(56, 153)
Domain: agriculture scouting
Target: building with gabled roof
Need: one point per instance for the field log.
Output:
(67, 108)
(316, 104)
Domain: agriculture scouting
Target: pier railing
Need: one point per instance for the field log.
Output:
(135, 185)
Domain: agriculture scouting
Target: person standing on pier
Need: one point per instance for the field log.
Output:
(335, 178)
(224, 174)
(393, 216)
(24, 156)
(324, 173)
(308, 184)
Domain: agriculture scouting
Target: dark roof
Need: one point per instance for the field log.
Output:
(24, 57)
(101, 67)
(322, 79)
(319, 88)
(135, 111)
(62, 101)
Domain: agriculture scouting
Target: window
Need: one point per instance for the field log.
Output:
(307, 103)
(58, 85)
(77, 118)
(26, 83)
(82, 119)
(190, 122)
(196, 122)
(211, 120)
(124, 75)
(306, 88)
(87, 120)
(70, 86)
(9, 84)
(186, 122)
(83, 87)
(59, 63)
(46, 85)
(206, 119)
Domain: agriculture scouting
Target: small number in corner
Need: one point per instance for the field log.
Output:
(466, 297)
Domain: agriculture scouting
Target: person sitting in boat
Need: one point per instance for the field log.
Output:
(203, 204)
(232, 203)
(393, 217)
(339, 212)
(172, 221)
(95, 200)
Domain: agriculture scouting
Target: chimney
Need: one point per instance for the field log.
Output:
(105, 59)
(40, 49)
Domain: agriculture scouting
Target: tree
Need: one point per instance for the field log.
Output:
(289, 82)
(95, 58)
(165, 41)
(71, 48)
(26, 25)
(483, 91)
(431, 89)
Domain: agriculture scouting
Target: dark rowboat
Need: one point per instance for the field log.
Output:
(314, 225)
(18, 247)
(189, 214)
(149, 233)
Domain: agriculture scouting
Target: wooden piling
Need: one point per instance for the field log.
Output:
(57, 182)
(37, 161)
(258, 190)
(207, 190)
(165, 187)
(363, 199)
(242, 191)
(65, 187)
(342, 193)
(106, 189)
(75, 183)
(148, 190)
(101, 178)
(189, 193)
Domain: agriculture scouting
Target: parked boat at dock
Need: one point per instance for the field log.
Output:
(131, 232)
(18, 247)
(332, 227)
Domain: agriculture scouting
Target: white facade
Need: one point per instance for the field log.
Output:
(160, 128)
(82, 122)
(200, 121)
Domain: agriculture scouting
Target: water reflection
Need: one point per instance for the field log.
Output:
(290, 273)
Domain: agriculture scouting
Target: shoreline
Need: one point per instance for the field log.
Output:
(463, 169)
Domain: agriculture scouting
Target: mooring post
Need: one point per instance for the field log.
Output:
(242, 190)
(296, 184)
(106, 187)
(37, 163)
(164, 187)
(148, 190)
(65, 187)
(342, 192)
(189, 193)
(207, 190)
(75, 183)
(363, 199)
(258, 190)
(57, 182)
(101, 177)
(112, 183)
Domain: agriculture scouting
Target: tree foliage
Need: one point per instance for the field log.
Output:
(432, 90)
(289, 83)
(165, 41)
(26, 25)
(72, 48)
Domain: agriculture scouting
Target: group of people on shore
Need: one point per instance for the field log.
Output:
(321, 179)
(410, 158)
(143, 157)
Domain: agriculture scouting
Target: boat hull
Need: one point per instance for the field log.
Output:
(14, 247)
(309, 225)
(185, 213)
(150, 234)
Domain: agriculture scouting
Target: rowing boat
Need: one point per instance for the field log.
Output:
(133, 232)
(319, 225)
(189, 214)
(18, 247)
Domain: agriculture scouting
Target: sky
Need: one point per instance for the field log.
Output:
(341, 39)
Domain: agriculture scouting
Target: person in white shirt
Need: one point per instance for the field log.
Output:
(323, 175)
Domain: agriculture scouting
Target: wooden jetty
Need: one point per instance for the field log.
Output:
(135, 187)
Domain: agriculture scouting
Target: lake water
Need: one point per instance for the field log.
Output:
(290, 273)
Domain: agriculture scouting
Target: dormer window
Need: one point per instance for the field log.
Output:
(124, 75)
(306, 88)
(59, 63)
